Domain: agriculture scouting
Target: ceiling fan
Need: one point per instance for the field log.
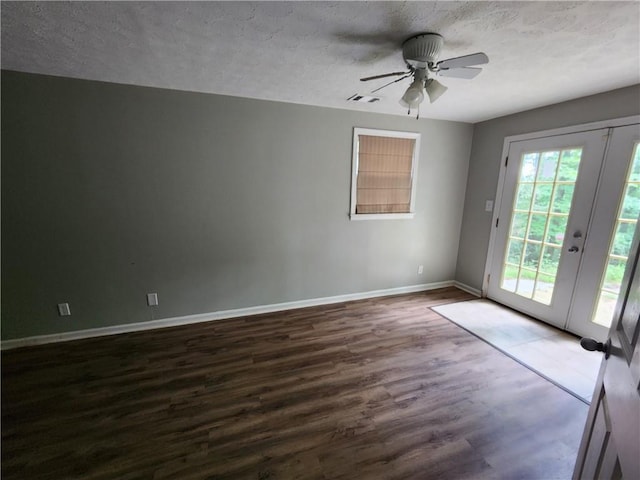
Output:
(420, 54)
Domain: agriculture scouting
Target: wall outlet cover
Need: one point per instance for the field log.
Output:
(152, 299)
(64, 310)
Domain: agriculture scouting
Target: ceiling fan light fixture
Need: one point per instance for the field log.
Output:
(434, 89)
(420, 54)
(414, 95)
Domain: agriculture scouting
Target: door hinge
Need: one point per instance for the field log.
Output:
(506, 161)
(497, 221)
(488, 278)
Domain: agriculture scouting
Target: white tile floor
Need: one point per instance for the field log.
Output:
(554, 354)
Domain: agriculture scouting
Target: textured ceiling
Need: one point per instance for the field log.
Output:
(315, 52)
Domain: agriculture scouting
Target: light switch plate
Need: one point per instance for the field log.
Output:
(488, 206)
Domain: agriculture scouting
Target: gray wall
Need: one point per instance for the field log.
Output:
(485, 161)
(112, 191)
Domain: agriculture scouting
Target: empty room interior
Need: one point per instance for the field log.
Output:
(320, 240)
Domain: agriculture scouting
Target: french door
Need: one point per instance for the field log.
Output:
(564, 227)
(613, 223)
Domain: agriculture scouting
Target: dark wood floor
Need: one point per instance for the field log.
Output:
(375, 389)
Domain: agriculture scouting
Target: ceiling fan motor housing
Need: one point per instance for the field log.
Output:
(422, 50)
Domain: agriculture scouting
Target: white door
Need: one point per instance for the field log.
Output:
(569, 208)
(610, 447)
(546, 203)
(608, 243)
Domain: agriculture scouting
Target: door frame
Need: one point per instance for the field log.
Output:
(586, 127)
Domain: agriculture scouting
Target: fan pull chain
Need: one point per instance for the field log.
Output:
(418, 112)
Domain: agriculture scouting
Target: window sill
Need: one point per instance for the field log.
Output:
(381, 216)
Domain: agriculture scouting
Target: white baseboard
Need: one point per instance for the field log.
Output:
(467, 288)
(220, 315)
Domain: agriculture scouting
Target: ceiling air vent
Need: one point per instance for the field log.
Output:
(363, 98)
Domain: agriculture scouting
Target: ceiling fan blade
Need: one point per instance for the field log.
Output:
(393, 81)
(463, 72)
(465, 61)
(366, 79)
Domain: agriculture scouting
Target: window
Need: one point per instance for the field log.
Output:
(383, 181)
(620, 246)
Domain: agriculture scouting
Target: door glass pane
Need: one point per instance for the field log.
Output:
(550, 260)
(548, 166)
(526, 281)
(631, 204)
(620, 244)
(532, 256)
(562, 197)
(523, 198)
(569, 162)
(537, 227)
(606, 307)
(519, 225)
(623, 237)
(613, 275)
(542, 197)
(514, 255)
(529, 167)
(510, 277)
(557, 227)
(544, 288)
(539, 221)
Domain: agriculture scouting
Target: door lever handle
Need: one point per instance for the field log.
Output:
(574, 249)
(595, 346)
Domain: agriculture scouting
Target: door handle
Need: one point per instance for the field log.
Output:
(595, 346)
(574, 249)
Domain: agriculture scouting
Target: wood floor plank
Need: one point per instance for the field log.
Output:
(373, 389)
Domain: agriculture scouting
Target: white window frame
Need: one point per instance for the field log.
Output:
(357, 131)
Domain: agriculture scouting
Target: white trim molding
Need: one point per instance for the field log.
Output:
(381, 216)
(219, 315)
(466, 288)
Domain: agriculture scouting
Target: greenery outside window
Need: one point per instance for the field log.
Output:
(620, 246)
(384, 173)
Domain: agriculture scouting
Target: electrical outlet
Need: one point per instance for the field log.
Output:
(420, 269)
(152, 299)
(64, 310)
